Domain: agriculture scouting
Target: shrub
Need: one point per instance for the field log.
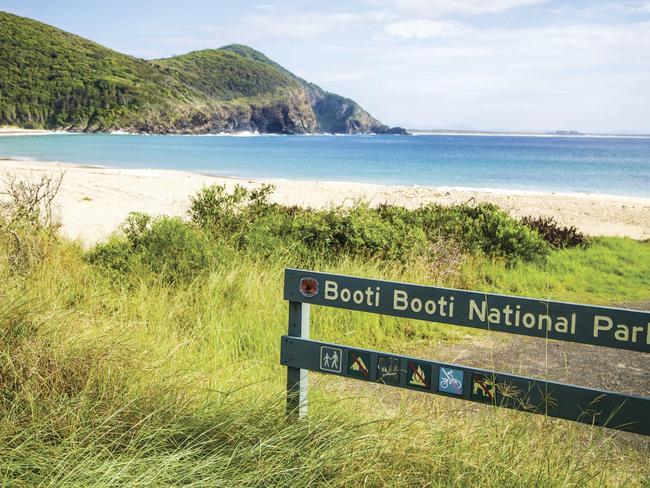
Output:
(223, 213)
(557, 236)
(173, 249)
(246, 219)
(485, 228)
(28, 223)
(115, 254)
(178, 250)
(30, 203)
(359, 230)
(136, 225)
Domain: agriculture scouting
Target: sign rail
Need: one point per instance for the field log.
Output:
(585, 405)
(600, 326)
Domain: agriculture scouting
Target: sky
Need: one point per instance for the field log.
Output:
(429, 64)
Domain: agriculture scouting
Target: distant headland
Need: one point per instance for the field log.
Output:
(56, 80)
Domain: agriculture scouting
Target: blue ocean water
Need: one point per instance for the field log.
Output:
(619, 166)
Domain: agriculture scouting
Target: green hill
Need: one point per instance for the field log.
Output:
(54, 79)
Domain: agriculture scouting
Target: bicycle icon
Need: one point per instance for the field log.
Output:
(451, 381)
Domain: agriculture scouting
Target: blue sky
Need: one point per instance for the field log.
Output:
(488, 64)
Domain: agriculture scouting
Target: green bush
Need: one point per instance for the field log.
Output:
(175, 250)
(359, 230)
(483, 228)
(178, 250)
(247, 219)
(167, 246)
(229, 214)
(116, 254)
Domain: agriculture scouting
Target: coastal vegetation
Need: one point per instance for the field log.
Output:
(151, 359)
(246, 221)
(556, 235)
(56, 80)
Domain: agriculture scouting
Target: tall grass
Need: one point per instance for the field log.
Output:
(125, 377)
(142, 383)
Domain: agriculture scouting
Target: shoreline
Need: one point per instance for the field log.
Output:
(261, 180)
(17, 131)
(94, 200)
(531, 134)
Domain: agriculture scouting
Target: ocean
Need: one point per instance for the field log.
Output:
(603, 165)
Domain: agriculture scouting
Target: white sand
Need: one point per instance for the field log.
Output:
(17, 131)
(93, 201)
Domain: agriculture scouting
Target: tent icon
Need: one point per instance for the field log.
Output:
(359, 364)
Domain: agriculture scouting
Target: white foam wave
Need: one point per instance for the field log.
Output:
(519, 134)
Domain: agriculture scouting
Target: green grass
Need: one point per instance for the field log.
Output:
(612, 271)
(136, 382)
(153, 358)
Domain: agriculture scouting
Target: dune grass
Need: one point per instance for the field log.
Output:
(139, 382)
(153, 359)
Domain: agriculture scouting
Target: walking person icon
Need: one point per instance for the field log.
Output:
(327, 360)
(335, 360)
(330, 359)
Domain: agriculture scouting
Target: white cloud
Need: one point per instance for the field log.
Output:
(379, 15)
(295, 26)
(329, 76)
(442, 7)
(645, 8)
(425, 28)
(540, 48)
(586, 76)
(258, 29)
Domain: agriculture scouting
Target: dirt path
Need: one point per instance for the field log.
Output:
(566, 362)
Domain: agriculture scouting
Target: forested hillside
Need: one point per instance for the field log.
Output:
(53, 79)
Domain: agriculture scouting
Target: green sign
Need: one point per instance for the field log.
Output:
(602, 326)
(559, 400)
(587, 324)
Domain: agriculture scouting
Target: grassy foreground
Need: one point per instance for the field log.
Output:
(130, 380)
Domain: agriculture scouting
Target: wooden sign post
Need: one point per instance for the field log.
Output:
(586, 324)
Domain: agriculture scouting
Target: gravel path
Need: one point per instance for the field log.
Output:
(566, 362)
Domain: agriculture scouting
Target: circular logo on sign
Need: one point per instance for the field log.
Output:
(308, 287)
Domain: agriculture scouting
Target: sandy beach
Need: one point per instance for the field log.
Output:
(93, 201)
(17, 131)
